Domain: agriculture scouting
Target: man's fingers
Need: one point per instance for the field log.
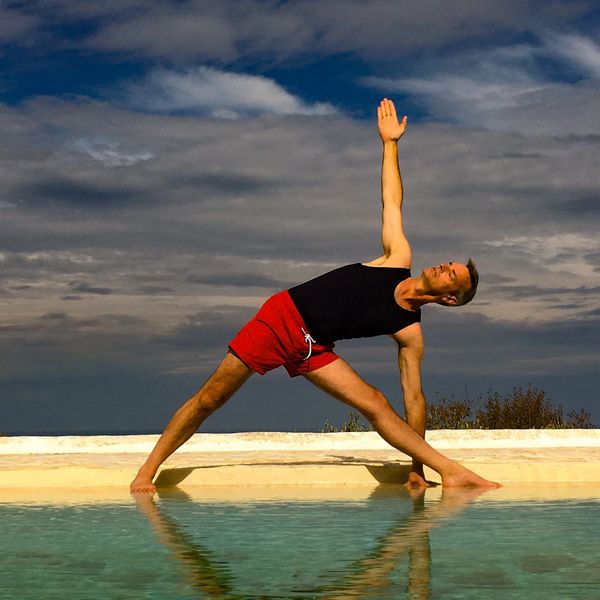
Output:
(392, 108)
(386, 109)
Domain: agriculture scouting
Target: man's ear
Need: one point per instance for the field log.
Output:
(450, 300)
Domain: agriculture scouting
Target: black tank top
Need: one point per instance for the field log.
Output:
(354, 301)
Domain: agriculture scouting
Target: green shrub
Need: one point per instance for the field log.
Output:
(449, 414)
(528, 408)
(354, 422)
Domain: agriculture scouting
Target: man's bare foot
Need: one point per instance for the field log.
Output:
(462, 477)
(142, 485)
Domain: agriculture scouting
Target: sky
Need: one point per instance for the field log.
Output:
(165, 166)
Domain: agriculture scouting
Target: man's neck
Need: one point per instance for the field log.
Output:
(410, 294)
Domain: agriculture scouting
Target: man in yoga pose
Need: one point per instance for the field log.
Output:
(297, 328)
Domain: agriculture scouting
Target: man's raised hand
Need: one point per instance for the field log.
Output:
(390, 129)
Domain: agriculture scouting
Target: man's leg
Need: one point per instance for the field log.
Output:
(341, 381)
(229, 376)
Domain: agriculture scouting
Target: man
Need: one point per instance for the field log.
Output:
(297, 329)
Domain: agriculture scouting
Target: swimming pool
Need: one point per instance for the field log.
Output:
(384, 544)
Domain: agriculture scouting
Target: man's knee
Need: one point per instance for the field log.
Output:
(210, 398)
(377, 406)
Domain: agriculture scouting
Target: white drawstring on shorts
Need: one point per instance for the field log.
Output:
(309, 340)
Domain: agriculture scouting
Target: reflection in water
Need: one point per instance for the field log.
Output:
(370, 576)
(202, 570)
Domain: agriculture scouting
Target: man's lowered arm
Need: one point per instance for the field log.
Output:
(410, 354)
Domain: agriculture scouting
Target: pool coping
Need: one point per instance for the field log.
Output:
(360, 459)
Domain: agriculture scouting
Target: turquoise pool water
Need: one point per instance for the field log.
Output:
(391, 544)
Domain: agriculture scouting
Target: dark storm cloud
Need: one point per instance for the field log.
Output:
(86, 288)
(211, 328)
(65, 192)
(56, 344)
(518, 292)
(517, 155)
(152, 290)
(583, 203)
(593, 258)
(492, 278)
(563, 346)
(223, 183)
(238, 280)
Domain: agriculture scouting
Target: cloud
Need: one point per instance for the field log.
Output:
(16, 26)
(548, 247)
(242, 31)
(469, 86)
(86, 288)
(108, 153)
(583, 53)
(509, 88)
(219, 94)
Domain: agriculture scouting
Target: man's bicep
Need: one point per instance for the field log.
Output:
(410, 355)
(394, 242)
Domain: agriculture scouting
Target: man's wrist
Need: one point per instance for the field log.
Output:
(147, 471)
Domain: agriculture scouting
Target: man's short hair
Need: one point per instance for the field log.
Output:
(468, 295)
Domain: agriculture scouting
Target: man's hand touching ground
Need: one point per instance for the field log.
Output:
(390, 129)
(142, 484)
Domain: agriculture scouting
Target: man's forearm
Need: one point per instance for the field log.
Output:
(391, 181)
(416, 414)
(416, 417)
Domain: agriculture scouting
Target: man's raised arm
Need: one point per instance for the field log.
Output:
(396, 248)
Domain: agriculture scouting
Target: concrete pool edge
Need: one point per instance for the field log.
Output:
(292, 459)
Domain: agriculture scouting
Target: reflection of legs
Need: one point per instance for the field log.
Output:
(341, 381)
(229, 376)
(408, 535)
(419, 555)
(207, 574)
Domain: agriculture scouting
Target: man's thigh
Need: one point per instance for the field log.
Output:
(341, 381)
(227, 378)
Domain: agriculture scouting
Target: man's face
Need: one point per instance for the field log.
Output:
(446, 278)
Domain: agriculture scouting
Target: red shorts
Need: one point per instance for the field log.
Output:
(275, 336)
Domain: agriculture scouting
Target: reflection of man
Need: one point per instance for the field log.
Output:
(297, 328)
(367, 576)
(371, 575)
(202, 570)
